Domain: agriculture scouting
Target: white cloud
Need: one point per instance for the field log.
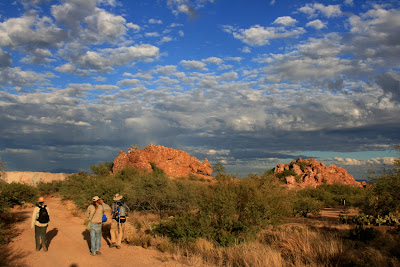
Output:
(165, 69)
(128, 82)
(193, 64)
(133, 26)
(317, 24)
(349, 2)
(165, 39)
(285, 20)
(103, 60)
(214, 60)
(258, 35)
(155, 21)
(328, 11)
(152, 34)
(246, 49)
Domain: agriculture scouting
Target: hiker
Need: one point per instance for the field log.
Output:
(119, 214)
(40, 220)
(94, 215)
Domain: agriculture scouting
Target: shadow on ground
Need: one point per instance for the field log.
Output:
(50, 235)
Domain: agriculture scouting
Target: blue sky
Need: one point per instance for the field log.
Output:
(247, 83)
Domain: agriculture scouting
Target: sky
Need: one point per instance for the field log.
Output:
(249, 84)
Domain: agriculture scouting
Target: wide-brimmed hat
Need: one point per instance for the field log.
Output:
(41, 199)
(95, 198)
(117, 197)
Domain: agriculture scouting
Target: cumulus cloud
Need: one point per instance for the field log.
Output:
(214, 60)
(155, 21)
(103, 60)
(285, 20)
(193, 64)
(315, 9)
(5, 59)
(135, 27)
(317, 24)
(259, 36)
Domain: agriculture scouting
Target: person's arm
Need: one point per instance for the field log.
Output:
(34, 214)
(128, 210)
(88, 212)
(48, 212)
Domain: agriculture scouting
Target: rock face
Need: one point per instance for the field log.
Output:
(174, 162)
(32, 178)
(310, 172)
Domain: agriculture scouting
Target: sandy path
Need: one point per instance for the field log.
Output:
(69, 245)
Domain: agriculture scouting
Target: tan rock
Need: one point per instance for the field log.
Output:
(32, 178)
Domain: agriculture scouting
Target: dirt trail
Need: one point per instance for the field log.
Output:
(69, 242)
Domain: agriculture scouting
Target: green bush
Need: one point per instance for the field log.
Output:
(335, 194)
(304, 205)
(231, 211)
(104, 168)
(383, 196)
(16, 194)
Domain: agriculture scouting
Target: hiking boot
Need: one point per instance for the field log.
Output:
(93, 254)
(45, 249)
(118, 247)
(112, 245)
(98, 252)
(37, 249)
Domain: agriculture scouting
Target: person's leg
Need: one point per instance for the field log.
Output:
(113, 232)
(93, 238)
(98, 238)
(120, 233)
(43, 238)
(37, 237)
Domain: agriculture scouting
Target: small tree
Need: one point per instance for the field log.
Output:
(104, 168)
(2, 167)
(218, 168)
(384, 196)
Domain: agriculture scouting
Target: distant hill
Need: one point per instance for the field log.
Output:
(32, 178)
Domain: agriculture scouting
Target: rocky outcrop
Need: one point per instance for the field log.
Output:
(311, 173)
(174, 162)
(32, 178)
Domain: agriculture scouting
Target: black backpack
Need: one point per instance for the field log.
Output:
(43, 215)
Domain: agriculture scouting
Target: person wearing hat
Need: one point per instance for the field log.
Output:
(40, 220)
(94, 215)
(119, 214)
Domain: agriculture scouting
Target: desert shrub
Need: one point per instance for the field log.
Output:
(334, 194)
(281, 176)
(383, 197)
(16, 194)
(48, 188)
(81, 187)
(304, 205)
(230, 212)
(11, 195)
(104, 168)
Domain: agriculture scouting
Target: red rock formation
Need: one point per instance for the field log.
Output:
(310, 172)
(174, 162)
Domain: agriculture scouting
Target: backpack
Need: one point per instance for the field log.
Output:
(104, 218)
(121, 213)
(43, 215)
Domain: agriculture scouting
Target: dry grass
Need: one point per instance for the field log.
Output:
(295, 245)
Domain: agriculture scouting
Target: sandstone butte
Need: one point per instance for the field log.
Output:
(32, 178)
(174, 162)
(311, 173)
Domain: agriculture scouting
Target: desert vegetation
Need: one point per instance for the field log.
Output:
(251, 221)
